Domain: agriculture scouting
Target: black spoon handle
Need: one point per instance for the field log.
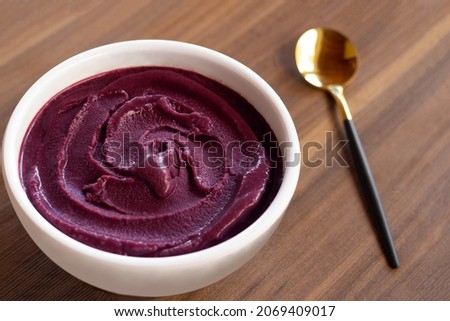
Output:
(371, 194)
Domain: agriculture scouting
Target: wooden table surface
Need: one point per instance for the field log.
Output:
(325, 247)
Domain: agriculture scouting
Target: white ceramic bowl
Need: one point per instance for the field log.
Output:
(150, 276)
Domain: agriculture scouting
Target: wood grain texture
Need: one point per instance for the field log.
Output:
(325, 247)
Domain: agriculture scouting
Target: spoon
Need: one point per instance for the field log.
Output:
(328, 60)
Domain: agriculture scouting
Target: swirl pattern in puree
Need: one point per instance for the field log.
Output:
(149, 161)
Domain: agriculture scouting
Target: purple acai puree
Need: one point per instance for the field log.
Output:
(150, 161)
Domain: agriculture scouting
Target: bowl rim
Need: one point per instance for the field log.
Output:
(267, 219)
